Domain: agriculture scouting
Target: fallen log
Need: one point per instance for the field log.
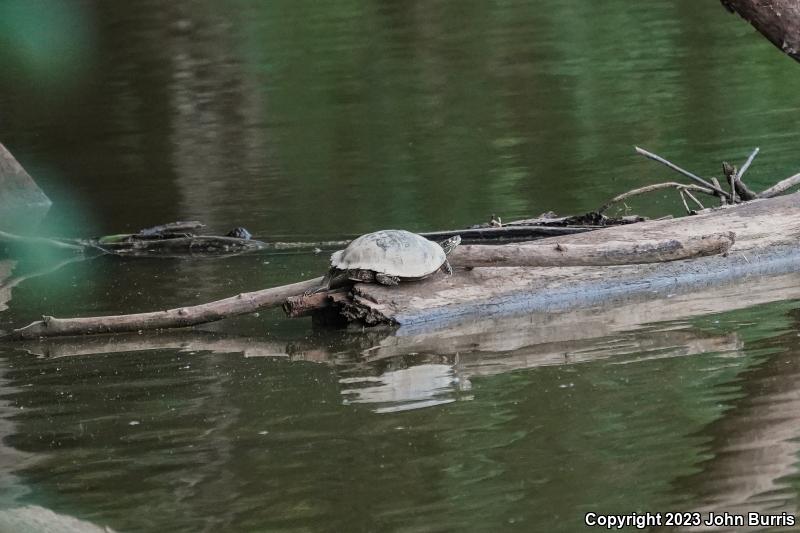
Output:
(767, 243)
(549, 255)
(296, 304)
(601, 254)
(240, 304)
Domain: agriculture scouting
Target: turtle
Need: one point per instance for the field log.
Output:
(388, 257)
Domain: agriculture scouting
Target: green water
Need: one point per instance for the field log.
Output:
(316, 120)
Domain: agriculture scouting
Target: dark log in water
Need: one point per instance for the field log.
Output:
(777, 20)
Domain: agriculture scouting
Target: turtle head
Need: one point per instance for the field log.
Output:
(450, 244)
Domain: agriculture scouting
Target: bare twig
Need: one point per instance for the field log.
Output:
(686, 205)
(651, 188)
(781, 187)
(730, 173)
(690, 195)
(679, 170)
(173, 318)
(722, 199)
(747, 163)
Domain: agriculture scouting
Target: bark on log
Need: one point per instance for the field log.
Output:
(241, 304)
(600, 254)
(777, 20)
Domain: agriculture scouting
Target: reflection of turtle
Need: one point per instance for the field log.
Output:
(239, 233)
(388, 257)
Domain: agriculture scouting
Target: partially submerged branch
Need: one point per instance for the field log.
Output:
(241, 304)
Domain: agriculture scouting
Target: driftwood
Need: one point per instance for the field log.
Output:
(604, 253)
(781, 187)
(608, 253)
(767, 237)
(777, 20)
(241, 304)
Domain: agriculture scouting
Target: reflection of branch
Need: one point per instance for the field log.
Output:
(13, 282)
(39, 242)
(185, 341)
(10, 283)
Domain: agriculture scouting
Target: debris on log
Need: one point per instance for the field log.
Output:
(602, 253)
(244, 303)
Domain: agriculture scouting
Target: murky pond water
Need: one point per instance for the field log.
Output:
(311, 120)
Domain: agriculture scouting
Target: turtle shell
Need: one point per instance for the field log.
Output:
(393, 252)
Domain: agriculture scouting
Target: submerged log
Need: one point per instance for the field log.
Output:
(767, 243)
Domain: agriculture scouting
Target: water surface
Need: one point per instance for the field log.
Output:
(309, 121)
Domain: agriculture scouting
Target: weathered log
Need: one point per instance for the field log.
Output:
(241, 304)
(777, 20)
(767, 243)
(604, 253)
(780, 187)
(550, 255)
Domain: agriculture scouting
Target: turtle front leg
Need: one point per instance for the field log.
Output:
(324, 285)
(386, 279)
(446, 268)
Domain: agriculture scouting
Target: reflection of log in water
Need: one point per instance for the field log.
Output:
(754, 447)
